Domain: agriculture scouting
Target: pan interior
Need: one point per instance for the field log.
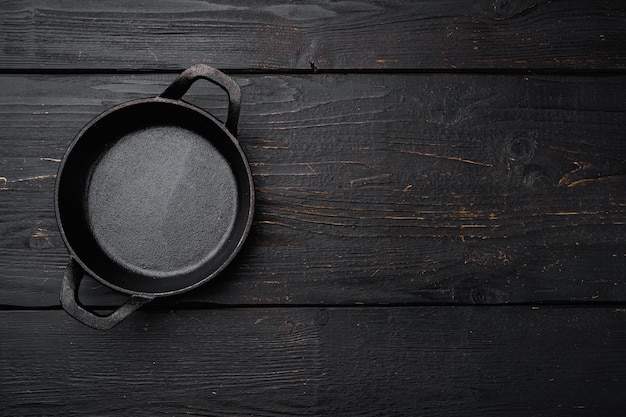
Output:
(162, 200)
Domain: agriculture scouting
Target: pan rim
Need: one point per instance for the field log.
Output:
(241, 237)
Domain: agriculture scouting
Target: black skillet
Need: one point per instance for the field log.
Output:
(153, 197)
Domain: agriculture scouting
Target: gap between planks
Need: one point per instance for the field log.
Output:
(341, 71)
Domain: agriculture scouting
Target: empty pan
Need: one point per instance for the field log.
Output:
(153, 197)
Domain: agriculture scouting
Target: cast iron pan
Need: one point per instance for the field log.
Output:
(153, 197)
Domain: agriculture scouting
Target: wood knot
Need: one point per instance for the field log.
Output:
(506, 8)
(520, 149)
(446, 105)
(477, 296)
(535, 177)
(40, 240)
(321, 317)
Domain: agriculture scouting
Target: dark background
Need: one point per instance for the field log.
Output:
(441, 200)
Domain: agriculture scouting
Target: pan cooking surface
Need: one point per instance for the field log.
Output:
(161, 200)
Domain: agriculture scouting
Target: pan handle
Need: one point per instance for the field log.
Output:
(69, 289)
(181, 84)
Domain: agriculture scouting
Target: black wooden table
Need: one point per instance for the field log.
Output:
(441, 200)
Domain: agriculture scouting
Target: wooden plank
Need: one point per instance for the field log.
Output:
(439, 361)
(371, 188)
(312, 35)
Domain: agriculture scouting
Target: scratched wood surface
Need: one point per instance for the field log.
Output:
(370, 188)
(436, 361)
(321, 35)
(441, 205)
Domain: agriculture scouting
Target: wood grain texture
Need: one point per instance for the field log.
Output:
(440, 223)
(312, 35)
(463, 189)
(436, 361)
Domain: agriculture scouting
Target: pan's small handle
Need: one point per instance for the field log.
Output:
(181, 84)
(69, 290)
